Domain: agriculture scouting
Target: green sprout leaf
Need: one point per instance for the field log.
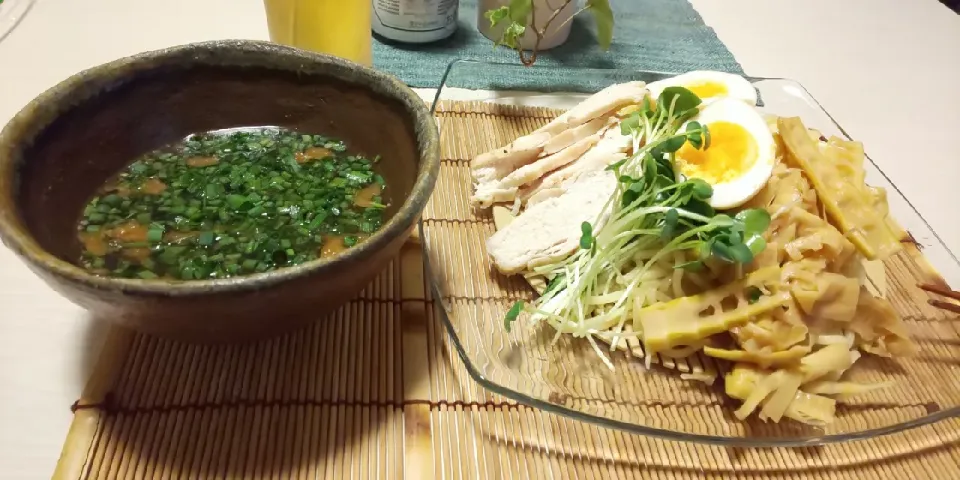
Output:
(722, 251)
(586, 237)
(686, 115)
(630, 124)
(613, 167)
(513, 314)
(603, 16)
(647, 109)
(696, 134)
(741, 253)
(756, 244)
(700, 189)
(755, 221)
(735, 240)
(673, 144)
(754, 294)
(700, 207)
(722, 220)
(664, 167)
(670, 221)
(684, 101)
(706, 249)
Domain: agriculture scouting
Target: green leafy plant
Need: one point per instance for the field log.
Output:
(519, 15)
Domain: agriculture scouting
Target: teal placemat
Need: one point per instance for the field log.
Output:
(658, 35)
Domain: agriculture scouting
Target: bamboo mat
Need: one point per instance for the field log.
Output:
(377, 391)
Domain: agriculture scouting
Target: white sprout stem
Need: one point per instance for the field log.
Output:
(588, 276)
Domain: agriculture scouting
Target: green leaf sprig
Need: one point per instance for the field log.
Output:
(519, 15)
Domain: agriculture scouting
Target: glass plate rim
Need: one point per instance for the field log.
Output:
(18, 12)
(666, 434)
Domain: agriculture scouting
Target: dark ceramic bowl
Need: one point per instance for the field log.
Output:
(72, 138)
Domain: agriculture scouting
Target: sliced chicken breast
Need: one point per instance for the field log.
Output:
(550, 230)
(611, 148)
(498, 182)
(601, 104)
(544, 194)
(571, 136)
(497, 172)
(527, 147)
(489, 192)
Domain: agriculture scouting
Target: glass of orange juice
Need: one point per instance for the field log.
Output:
(335, 27)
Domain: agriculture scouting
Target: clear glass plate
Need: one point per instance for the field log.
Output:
(11, 13)
(568, 378)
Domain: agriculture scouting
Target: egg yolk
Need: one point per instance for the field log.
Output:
(707, 89)
(732, 151)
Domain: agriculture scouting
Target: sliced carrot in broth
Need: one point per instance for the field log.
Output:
(202, 161)
(153, 186)
(364, 197)
(129, 232)
(94, 243)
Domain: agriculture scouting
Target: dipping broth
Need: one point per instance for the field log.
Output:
(229, 203)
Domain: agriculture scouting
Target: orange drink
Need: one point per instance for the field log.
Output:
(335, 27)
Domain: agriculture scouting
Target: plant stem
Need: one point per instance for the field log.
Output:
(529, 60)
(570, 19)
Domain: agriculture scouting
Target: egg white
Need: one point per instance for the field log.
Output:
(737, 87)
(738, 190)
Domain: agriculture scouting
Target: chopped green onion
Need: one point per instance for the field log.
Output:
(205, 238)
(253, 209)
(236, 201)
(155, 234)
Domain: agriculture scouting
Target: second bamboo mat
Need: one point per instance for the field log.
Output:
(375, 391)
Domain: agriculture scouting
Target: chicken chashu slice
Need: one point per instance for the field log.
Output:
(492, 186)
(568, 130)
(603, 103)
(600, 104)
(550, 230)
(612, 147)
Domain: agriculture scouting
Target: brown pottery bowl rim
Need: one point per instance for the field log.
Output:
(68, 93)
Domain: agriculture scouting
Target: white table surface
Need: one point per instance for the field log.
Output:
(888, 71)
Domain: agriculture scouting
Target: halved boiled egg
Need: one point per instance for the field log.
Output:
(709, 86)
(739, 158)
